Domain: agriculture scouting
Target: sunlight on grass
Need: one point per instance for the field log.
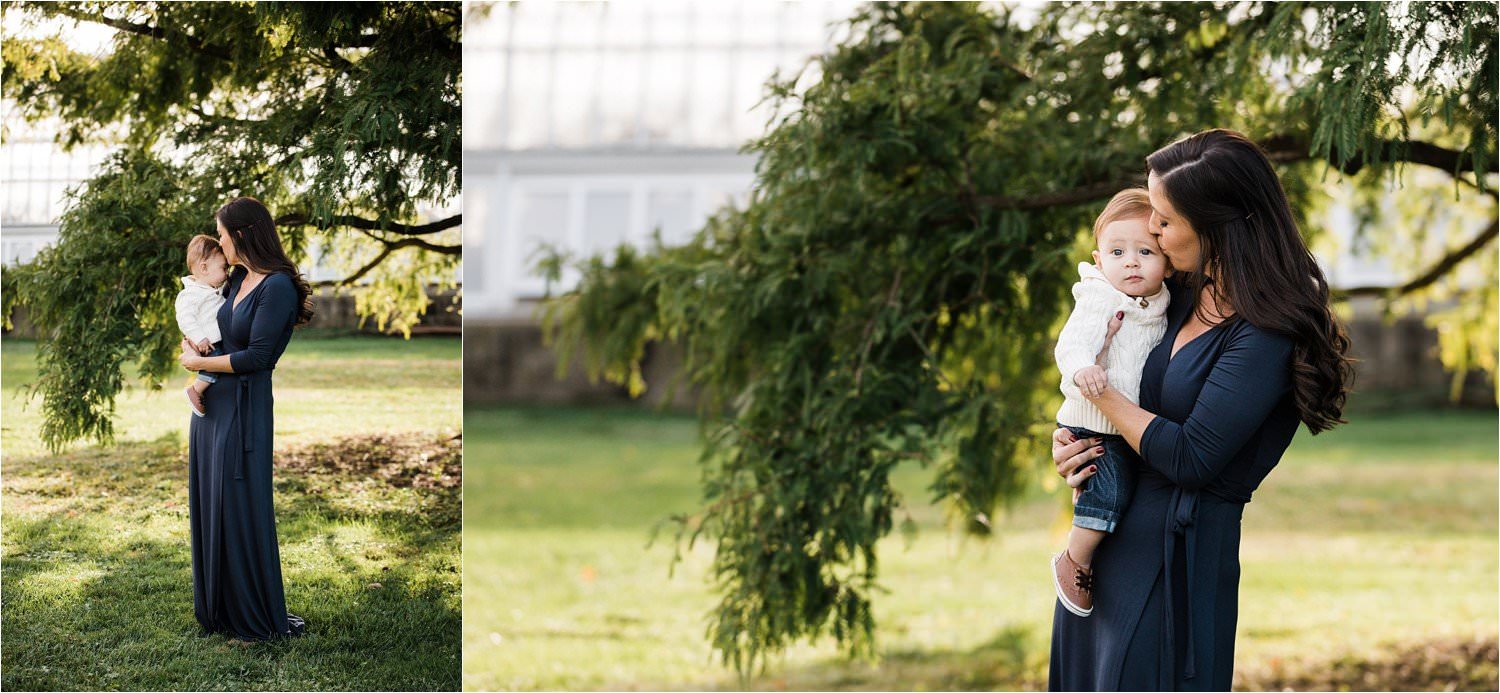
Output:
(62, 584)
(97, 571)
(324, 387)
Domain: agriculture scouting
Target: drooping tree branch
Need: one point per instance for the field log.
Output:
(354, 222)
(155, 32)
(415, 242)
(1290, 147)
(391, 247)
(1434, 273)
(1283, 149)
(434, 247)
(367, 226)
(198, 45)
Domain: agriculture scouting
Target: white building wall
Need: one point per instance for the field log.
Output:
(583, 204)
(588, 125)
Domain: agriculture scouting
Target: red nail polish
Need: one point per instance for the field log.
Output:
(1093, 468)
(1120, 314)
(1099, 449)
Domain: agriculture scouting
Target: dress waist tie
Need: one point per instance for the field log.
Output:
(1181, 517)
(242, 405)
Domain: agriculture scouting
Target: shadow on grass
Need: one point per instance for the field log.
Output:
(97, 584)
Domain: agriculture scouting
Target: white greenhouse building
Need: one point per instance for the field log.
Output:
(588, 125)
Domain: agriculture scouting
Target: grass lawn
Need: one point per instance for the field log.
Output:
(1378, 536)
(97, 582)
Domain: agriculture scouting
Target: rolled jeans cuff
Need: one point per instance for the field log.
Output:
(1100, 524)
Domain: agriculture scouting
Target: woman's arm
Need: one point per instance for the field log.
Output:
(1246, 382)
(277, 309)
(1127, 416)
(213, 364)
(278, 305)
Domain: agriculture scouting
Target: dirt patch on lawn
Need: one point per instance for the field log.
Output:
(403, 461)
(1436, 665)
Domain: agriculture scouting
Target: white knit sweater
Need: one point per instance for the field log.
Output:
(197, 310)
(1083, 335)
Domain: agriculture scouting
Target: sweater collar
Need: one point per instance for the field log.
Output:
(192, 282)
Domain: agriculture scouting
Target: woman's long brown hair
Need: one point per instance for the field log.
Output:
(259, 248)
(1223, 184)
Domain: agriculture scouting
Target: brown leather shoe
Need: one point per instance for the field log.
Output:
(195, 400)
(1074, 583)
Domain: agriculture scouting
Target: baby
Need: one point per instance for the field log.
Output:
(1127, 279)
(198, 306)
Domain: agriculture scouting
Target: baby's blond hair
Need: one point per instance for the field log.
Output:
(1126, 204)
(201, 248)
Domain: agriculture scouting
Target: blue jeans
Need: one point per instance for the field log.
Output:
(205, 376)
(1107, 493)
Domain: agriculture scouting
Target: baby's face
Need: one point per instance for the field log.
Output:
(1130, 257)
(213, 270)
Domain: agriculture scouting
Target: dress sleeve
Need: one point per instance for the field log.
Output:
(1244, 386)
(277, 308)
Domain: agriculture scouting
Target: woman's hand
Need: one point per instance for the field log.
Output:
(190, 358)
(1072, 456)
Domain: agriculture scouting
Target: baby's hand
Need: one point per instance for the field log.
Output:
(1091, 381)
(204, 346)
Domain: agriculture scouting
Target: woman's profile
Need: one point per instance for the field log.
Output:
(237, 586)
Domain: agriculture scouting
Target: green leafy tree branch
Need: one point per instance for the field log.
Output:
(891, 290)
(344, 118)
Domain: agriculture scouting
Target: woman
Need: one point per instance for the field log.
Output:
(1251, 349)
(236, 564)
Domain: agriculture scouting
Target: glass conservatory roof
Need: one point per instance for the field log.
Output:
(615, 75)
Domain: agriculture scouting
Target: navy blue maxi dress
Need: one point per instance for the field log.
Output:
(1167, 581)
(236, 563)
